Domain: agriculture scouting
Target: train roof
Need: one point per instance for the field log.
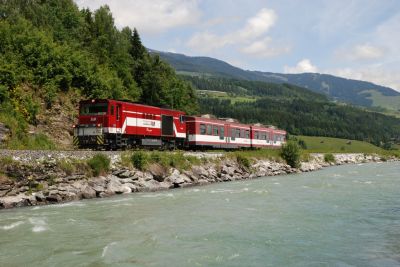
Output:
(88, 101)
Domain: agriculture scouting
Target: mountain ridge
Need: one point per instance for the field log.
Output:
(337, 88)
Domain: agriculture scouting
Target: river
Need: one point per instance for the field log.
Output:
(339, 216)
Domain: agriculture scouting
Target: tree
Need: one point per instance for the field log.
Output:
(290, 152)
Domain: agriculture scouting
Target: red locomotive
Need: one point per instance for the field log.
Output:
(112, 124)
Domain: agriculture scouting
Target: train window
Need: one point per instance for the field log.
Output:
(202, 129)
(94, 109)
(209, 129)
(117, 113)
(256, 135)
(233, 133)
(221, 133)
(238, 133)
(182, 119)
(215, 130)
(263, 136)
(242, 133)
(247, 134)
(112, 110)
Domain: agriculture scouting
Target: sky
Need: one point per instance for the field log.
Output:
(358, 39)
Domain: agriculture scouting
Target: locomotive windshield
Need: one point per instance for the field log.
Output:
(94, 109)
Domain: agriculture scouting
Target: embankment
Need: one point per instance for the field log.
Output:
(37, 180)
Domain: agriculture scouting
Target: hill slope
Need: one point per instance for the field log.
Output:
(345, 90)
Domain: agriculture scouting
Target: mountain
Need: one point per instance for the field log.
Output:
(345, 90)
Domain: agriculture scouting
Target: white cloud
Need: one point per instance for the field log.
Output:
(149, 16)
(367, 51)
(265, 48)
(259, 24)
(247, 35)
(302, 66)
(362, 52)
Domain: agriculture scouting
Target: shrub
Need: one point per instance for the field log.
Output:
(290, 152)
(139, 160)
(329, 158)
(243, 161)
(99, 164)
(302, 144)
(66, 166)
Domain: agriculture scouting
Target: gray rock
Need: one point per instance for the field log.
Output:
(126, 174)
(115, 187)
(88, 192)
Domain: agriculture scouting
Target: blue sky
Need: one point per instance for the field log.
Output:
(357, 39)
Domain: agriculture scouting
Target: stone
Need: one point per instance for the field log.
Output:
(175, 178)
(126, 174)
(158, 172)
(115, 187)
(88, 192)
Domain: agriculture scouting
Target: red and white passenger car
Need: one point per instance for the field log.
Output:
(227, 133)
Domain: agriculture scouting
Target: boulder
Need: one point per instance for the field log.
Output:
(158, 172)
(175, 178)
(116, 187)
(88, 192)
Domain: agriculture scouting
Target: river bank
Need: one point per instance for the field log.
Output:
(43, 183)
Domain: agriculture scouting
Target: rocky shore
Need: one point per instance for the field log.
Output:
(44, 184)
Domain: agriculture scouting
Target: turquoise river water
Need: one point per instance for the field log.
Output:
(340, 216)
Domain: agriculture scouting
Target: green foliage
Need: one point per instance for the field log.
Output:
(51, 47)
(309, 117)
(243, 161)
(328, 157)
(139, 160)
(66, 166)
(290, 152)
(302, 144)
(99, 163)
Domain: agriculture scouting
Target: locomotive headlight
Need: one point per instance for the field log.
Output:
(98, 125)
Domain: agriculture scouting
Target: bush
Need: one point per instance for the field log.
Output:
(302, 144)
(290, 152)
(99, 164)
(243, 161)
(139, 160)
(329, 158)
(66, 166)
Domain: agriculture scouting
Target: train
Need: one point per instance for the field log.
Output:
(109, 124)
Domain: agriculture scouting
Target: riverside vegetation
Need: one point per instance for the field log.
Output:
(29, 179)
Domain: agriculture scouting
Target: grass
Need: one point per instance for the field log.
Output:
(337, 145)
(100, 164)
(142, 160)
(378, 99)
(225, 95)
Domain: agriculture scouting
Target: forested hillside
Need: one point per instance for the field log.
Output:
(345, 90)
(299, 111)
(50, 49)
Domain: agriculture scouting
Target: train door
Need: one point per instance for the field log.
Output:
(227, 135)
(118, 118)
(167, 125)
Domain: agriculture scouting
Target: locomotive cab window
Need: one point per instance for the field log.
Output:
(94, 109)
(182, 118)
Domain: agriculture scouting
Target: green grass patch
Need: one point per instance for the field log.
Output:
(141, 160)
(328, 157)
(337, 145)
(100, 164)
